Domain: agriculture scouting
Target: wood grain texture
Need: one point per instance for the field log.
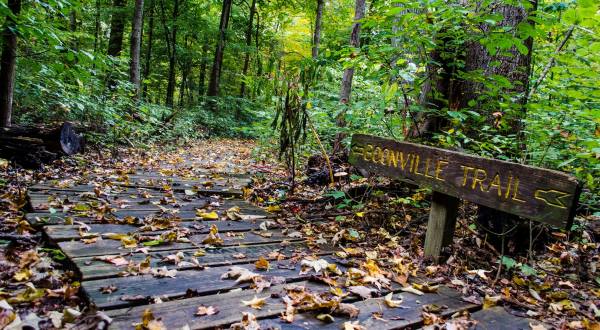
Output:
(535, 193)
(200, 282)
(442, 220)
(76, 249)
(92, 269)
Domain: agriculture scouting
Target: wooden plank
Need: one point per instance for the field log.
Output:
(200, 282)
(93, 269)
(60, 233)
(178, 313)
(75, 249)
(498, 318)
(534, 193)
(409, 316)
(220, 190)
(249, 213)
(442, 220)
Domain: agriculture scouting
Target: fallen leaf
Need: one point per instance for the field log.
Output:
(256, 303)
(349, 325)
(325, 318)
(262, 264)
(347, 309)
(115, 260)
(491, 301)
(206, 310)
(392, 303)
(412, 290)
(362, 291)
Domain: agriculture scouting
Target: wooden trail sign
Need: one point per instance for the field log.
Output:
(534, 193)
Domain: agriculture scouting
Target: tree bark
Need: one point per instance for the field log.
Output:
(97, 27)
(346, 89)
(248, 45)
(171, 37)
(136, 39)
(8, 64)
(317, 32)
(202, 75)
(149, 46)
(215, 75)
(117, 26)
(446, 90)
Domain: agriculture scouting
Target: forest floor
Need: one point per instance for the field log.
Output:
(378, 224)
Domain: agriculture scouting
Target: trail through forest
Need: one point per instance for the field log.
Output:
(205, 236)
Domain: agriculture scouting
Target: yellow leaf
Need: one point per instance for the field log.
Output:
(256, 303)
(426, 287)
(22, 275)
(274, 208)
(489, 302)
(360, 214)
(262, 264)
(392, 303)
(208, 216)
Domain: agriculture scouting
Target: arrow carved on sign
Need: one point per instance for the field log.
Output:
(552, 197)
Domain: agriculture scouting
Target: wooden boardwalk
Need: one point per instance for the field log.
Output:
(146, 240)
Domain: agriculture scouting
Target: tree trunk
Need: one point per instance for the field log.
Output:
(215, 74)
(135, 47)
(149, 46)
(346, 89)
(171, 37)
(8, 64)
(202, 76)
(136, 39)
(117, 26)
(248, 45)
(446, 90)
(97, 27)
(259, 68)
(317, 32)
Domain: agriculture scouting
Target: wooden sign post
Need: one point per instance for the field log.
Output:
(530, 192)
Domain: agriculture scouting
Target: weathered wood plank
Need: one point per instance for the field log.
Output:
(442, 219)
(534, 193)
(497, 318)
(61, 233)
(178, 313)
(46, 219)
(409, 316)
(216, 189)
(200, 282)
(93, 269)
(75, 249)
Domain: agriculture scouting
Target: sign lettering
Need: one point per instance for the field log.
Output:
(534, 193)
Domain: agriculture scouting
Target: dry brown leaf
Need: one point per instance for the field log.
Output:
(362, 291)
(262, 264)
(206, 310)
(353, 325)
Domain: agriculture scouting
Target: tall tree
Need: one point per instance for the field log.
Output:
(148, 57)
(215, 74)
(171, 37)
(202, 73)
(8, 63)
(447, 88)
(135, 45)
(117, 26)
(346, 89)
(248, 45)
(317, 31)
